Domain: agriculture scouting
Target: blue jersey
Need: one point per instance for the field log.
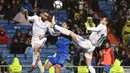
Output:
(62, 44)
(62, 53)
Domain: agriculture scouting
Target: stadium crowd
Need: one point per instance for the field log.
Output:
(81, 14)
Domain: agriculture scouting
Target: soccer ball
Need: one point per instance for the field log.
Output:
(57, 4)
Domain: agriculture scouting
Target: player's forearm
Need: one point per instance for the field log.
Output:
(93, 29)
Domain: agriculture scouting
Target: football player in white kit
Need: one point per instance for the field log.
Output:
(39, 28)
(95, 39)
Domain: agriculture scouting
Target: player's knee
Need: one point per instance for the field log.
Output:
(57, 66)
(48, 65)
(37, 47)
(38, 59)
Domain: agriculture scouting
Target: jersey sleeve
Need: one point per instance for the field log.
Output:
(94, 29)
(32, 18)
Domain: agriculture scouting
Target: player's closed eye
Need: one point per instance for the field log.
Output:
(46, 15)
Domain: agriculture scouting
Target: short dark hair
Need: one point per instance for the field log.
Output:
(107, 20)
(106, 41)
(69, 24)
(45, 11)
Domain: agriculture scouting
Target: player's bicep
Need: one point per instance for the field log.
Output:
(94, 29)
(32, 18)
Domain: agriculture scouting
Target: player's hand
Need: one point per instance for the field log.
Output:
(53, 22)
(98, 64)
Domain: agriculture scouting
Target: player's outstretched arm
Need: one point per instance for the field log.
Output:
(63, 30)
(30, 18)
(94, 29)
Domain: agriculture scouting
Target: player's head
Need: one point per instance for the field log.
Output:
(106, 43)
(66, 25)
(104, 21)
(44, 15)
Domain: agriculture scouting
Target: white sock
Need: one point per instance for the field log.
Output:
(39, 63)
(91, 69)
(62, 30)
(35, 56)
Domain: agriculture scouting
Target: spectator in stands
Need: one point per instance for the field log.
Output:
(3, 69)
(117, 53)
(77, 30)
(121, 9)
(15, 67)
(128, 14)
(35, 11)
(18, 35)
(80, 18)
(79, 60)
(15, 7)
(17, 46)
(20, 18)
(96, 19)
(1, 11)
(4, 38)
(90, 12)
(89, 23)
(112, 38)
(81, 4)
(126, 62)
(99, 57)
(29, 35)
(116, 68)
(8, 13)
(70, 13)
(108, 57)
(69, 62)
(27, 5)
(3, 3)
(126, 33)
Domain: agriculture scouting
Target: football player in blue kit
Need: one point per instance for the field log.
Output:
(62, 53)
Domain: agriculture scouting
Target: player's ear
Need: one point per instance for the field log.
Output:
(41, 14)
(68, 27)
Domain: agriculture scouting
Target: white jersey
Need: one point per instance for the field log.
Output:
(98, 35)
(39, 27)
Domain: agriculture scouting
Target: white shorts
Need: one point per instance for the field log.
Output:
(88, 55)
(41, 42)
(83, 43)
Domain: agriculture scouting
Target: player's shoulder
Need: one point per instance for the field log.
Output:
(47, 22)
(35, 16)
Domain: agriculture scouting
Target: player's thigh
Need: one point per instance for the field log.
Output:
(35, 45)
(53, 60)
(38, 43)
(62, 60)
(88, 57)
(84, 43)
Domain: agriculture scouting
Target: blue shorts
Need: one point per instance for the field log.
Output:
(106, 68)
(59, 59)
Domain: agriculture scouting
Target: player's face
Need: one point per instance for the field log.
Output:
(107, 45)
(45, 16)
(64, 25)
(103, 21)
